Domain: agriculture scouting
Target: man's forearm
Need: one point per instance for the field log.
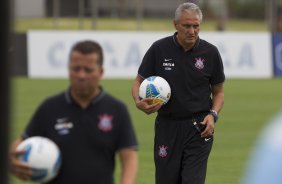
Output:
(129, 162)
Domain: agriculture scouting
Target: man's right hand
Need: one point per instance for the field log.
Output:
(19, 168)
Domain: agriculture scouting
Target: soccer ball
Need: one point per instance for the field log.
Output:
(43, 155)
(155, 87)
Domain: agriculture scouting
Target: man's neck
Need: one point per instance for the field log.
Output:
(186, 47)
(84, 101)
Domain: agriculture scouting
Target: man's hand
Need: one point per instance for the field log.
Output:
(209, 123)
(18, 168)
(146, 105)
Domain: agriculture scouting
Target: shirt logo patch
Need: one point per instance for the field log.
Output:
(168, 65)
(163, 151)
(105, 123)
(63, 126)
(167, 59)
(199, 63)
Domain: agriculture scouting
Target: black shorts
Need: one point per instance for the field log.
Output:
(180, 153)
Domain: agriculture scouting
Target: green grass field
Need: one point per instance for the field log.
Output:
(115, 24)
(249, 105)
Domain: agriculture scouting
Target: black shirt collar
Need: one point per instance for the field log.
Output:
(178, 45)
(70, 100)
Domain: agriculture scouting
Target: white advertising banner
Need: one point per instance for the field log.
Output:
(245, 55)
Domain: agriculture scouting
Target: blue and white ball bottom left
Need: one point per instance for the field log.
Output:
(43, 155)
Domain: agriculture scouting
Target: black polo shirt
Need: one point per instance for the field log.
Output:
(88, 138)
(190, 74)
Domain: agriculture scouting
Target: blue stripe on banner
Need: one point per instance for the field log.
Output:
(277, 54)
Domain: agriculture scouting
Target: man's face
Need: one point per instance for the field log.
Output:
(188, 28)
(85, 73)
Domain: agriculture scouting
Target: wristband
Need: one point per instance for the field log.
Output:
(214, 115)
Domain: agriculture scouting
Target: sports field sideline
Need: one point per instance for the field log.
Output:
(249, 105)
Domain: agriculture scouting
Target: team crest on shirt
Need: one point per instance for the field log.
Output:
(199, 63)
(163, 151)
(105, 124)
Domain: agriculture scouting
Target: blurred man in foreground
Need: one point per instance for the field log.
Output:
(265, 163)
(98, 126)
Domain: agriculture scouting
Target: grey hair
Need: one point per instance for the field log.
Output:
(187, 7)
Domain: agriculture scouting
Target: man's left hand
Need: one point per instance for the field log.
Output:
(209, 123)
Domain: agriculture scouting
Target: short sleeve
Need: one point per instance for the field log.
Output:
(147, 67)
(218, 75)
(35, 126)
(127, 137)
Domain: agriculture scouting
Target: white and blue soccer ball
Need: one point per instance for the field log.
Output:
(156, 88)
(43, 155)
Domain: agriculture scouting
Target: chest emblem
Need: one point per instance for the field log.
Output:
(63, 126)
(105, 124)
(199, 63)
(168, 64)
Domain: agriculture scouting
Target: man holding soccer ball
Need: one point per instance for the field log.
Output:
(184, 126)
(89, 126)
